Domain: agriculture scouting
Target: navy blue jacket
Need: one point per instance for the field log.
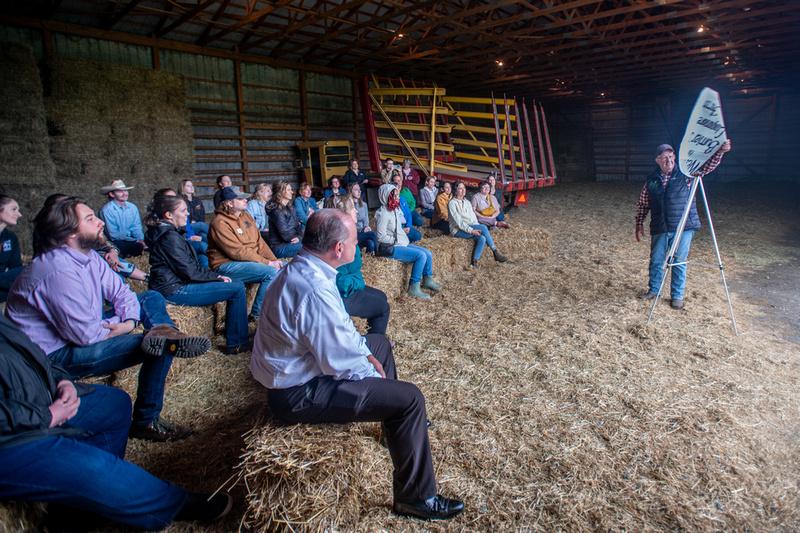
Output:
(667, 203)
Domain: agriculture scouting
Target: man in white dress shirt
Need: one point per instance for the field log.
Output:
(318, 368)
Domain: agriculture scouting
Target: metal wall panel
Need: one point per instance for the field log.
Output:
(26, 36)
(73, 47)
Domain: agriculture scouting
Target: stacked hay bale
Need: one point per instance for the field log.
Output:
(117, 122)
(27, 172)
(325, 477)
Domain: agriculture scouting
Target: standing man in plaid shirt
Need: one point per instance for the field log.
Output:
(664, 195)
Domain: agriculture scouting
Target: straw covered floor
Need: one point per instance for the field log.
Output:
(554, 405)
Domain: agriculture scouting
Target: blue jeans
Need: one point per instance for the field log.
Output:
(442, 225)
(118, 353)
(200, 228)
(368, 239)
(287, 250)
(413, 234)
(421, 257)
(200, 249)
(87, 472)
(201, 294)
(659, 247)
(427, 213)
(250, 272)
(480, 240)
(416, 219)
(6, 280)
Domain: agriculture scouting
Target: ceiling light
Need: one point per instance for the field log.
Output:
(499, 62)
(400, 35)
(701, 29)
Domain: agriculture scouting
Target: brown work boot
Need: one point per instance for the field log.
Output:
(166, 340)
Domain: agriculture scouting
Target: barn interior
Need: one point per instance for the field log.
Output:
(556, 403)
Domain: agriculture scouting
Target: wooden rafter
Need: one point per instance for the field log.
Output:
(255, 16)
(187, 16)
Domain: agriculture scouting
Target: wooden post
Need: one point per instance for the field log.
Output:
(500, 157)
(510, 134)
(521, 141)
(354, 91)
(304, 104)
(431, 156)
(155, 55)
(534, 168)
(549, 147)
(237, 75)
(541, 144)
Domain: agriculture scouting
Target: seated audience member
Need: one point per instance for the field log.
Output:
(410, 178)
(304, 205)
(222, 182)
(441, 218)
(318, 369)
(464, 224)
(359, 300)
(122, 220)
(257, 207)
(427, 196)
(197, 211)
(496, 191)
(106, 250)
(366, 237)
(411, 217)
(58, 301)
(198, 243)
(64, 443)
(176, 273)
(391, 234)
(236, 249)
(10, 257)
(387, 170)
(486, 207)
(285, 230)
(333, 192)
(355, 175)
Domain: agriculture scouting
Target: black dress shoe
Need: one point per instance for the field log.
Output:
(159, 430)
(435, 508)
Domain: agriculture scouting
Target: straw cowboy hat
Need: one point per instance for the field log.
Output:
(116, 185)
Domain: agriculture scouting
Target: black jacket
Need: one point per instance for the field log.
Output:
(197, 211)
(173, 262)
(283, 224)
(28, 383)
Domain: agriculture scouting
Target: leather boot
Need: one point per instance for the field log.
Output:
(166, 340)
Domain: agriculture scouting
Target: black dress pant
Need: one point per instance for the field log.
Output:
(369, 303)
(128, 248)
(399, 405)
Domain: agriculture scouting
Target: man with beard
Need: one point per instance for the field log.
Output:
(58, 301)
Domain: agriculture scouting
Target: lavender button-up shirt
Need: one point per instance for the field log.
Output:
(58, 299)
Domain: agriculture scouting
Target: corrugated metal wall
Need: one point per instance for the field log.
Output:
(246, 117)
(763, 128)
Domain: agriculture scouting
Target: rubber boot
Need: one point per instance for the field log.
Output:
(429, 283)
(415, 291)
(500, 258)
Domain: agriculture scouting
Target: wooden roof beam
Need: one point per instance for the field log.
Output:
(188, 15)
(252, 17)
(119, 15)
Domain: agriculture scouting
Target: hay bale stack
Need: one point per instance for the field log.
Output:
(450, 253)
(296, 479)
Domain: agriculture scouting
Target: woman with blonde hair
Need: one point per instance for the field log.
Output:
(366, 237)
(464, 225)
(257, 207)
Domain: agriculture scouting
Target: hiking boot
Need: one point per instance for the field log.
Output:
(415, 291)
(473, 264)
(429, 283)
(676, 304)
(500, 258)
(159, 430)
(166, 340)
(238, 348)
(502, 224)
(648, 295)
(204, 507)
